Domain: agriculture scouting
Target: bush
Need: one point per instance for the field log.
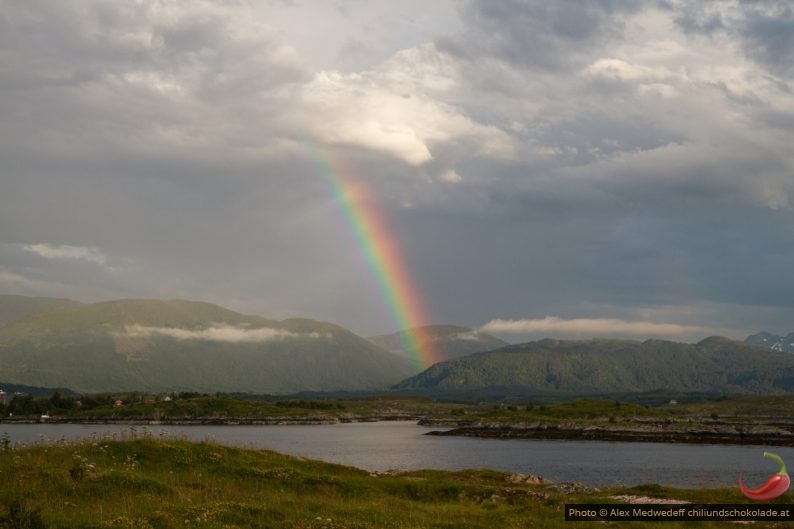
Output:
(20, 516)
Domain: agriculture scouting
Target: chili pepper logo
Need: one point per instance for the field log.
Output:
(776, 485)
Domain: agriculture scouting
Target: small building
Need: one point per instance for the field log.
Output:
(118, 404)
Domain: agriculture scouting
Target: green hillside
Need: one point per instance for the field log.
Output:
(153, 345)
(16, 307)
(602, 366)
(450, 341)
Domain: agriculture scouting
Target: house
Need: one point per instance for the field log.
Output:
(118, 404)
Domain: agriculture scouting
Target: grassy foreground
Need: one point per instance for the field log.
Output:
(159, 483)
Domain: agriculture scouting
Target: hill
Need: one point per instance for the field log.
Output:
(155, 345)
(16, 307)
(772, 341)
(450, 341)
(602, 366)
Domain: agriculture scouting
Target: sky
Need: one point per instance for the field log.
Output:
(611, 168)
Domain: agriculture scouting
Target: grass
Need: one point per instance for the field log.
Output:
(755, 409)
(579, 410)
(752, 406)
(157, 484)
(748, 414)
(151, 407)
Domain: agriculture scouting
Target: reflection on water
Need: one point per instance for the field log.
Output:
(403, 445)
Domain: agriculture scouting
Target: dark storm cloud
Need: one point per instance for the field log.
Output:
(699, 17)
(537, 34)
(765, 29)
(769, 37)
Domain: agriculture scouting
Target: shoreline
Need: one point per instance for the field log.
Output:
(597, 433)
(212, 421)
(762, 434)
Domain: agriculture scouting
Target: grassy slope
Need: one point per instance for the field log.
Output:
(146, 483)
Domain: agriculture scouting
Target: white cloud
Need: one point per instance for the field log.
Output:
(471, 336)
(65, 251)
(591, 326)
(656, 80)
(400, 108)
(451, 176)
(221, 333)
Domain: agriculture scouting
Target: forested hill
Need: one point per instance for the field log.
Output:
(602, 366)
(177, 345)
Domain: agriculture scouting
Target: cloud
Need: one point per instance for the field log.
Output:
(590, 326)
(400, 109)
(148, 79)
(764, 29)
(223, 333)
(534, 34)
(471, 336)
(65, 251)
(11, 279)
(529, 155)
(450, 176)
(769, 36)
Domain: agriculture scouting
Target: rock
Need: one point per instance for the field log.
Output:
(571, 488)
(521, 479)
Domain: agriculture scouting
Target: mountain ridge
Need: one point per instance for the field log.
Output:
(449, 341)
(180, 345)
(772, 341)
(14, 307)
(715, 364)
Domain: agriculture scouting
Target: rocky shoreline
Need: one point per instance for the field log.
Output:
(700, 434)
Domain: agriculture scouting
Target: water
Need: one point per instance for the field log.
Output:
(403, 445)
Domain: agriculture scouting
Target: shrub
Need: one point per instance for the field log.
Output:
(21, 516)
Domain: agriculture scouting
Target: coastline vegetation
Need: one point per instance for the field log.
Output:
(143, 482)
(178, 406)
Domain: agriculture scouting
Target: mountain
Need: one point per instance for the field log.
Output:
(606, 366)
(11, 389)
(772, 341)
(155, 345)
(15, 307)
(450, 341)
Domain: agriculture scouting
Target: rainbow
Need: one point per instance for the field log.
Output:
(383, 258)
